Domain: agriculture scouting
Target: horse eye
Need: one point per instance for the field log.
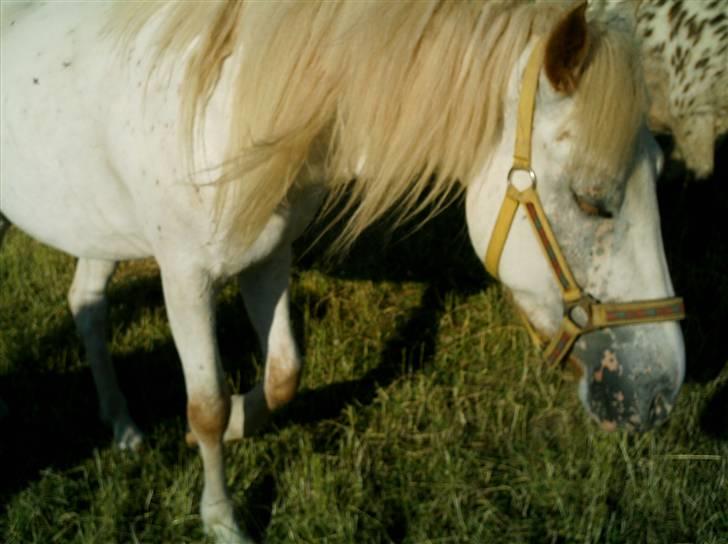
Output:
(591, 207)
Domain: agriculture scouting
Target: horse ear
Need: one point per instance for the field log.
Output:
(567, 49)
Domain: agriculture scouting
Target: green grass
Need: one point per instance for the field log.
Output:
(423, 416)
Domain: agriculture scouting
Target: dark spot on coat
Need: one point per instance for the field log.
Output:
(702, 62)
(678, 59)
(676, 24)
(675, 10)
(717, 19)
(695, 31)
(36, 81)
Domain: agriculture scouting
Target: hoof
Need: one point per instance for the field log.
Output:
(128, 437)
(223, 534)
(221, 526)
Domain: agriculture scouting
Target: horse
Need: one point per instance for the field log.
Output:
(685, 51)
(209, 135)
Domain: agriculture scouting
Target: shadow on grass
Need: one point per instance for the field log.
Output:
(53, 415)
(438, 255)
(409, 350)
(261, 496)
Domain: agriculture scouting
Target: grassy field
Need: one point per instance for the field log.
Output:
(424, 415)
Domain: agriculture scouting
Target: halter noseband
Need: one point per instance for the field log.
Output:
(582, 312)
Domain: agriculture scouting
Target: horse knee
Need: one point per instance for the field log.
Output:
(208, 417)
(281, 383)
(87, 295)
(83, 302)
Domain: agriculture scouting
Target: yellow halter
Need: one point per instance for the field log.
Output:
(582, 313)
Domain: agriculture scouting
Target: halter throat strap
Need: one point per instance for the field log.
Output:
(582, 313)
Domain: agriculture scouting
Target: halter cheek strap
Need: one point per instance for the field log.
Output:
(582, 313)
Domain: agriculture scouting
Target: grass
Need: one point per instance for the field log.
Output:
(424, 415)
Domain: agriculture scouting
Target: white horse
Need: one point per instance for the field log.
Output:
(205, 134)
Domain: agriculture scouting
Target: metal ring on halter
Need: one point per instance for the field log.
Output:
(580, 312)
(531, 174)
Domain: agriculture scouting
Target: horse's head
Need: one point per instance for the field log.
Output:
(593, 168)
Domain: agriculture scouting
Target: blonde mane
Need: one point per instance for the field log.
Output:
(397, 103)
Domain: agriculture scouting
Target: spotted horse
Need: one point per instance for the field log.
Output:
(685, 54)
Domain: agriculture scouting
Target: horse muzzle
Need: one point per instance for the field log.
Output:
(632, 375)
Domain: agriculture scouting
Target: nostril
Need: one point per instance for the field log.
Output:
(659, 409)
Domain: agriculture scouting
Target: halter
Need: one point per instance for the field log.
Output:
(582, 312)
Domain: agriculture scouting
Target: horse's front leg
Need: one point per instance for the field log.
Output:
(87, 300)
(189, 300)
(265, 291)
